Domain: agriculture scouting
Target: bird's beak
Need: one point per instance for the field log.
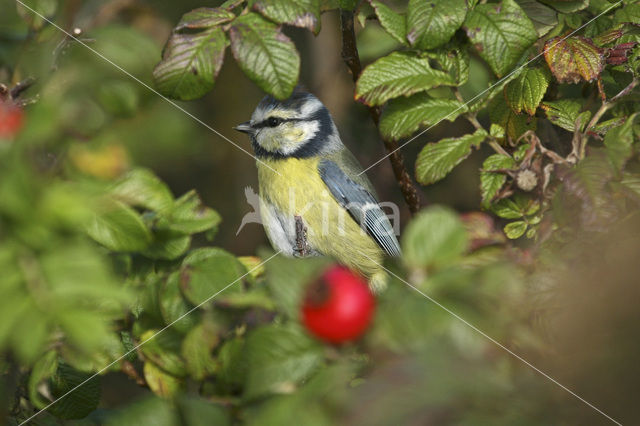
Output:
(244, 127)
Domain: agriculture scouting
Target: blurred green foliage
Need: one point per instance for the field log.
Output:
(105, 270)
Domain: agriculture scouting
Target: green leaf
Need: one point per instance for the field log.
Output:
(432, 23)
(42, 370)
(147, 411)
(515, 207)
(160, 382)
(544, 18)
(192, 59)
(203, 18)
(403, 116)
(167, 244)
(492, 182)
(398, 74)
(80, 402)
(515, 230)
(394, 23)
(567, 6)
(162, 349)
(189, 216)
(201, 412)
(279, 357)
(435, 237)
(118, 227)
(207, 272)
(299, 13)
(574, 59)
(173, 305)
(46, 8)
(142, 188)
(232, 372)
(266, 56)
(501, 33)
(564, 113)
(454, 60)
(619, 143)
(526, 92)
(436, 160)
(513, 124)
(287, 279)
(197, 350)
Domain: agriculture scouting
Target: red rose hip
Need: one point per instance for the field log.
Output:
(339, 306)
(11, 118)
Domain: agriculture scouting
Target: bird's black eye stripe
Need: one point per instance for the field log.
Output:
(275, 122)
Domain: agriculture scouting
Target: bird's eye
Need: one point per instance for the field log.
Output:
(273, 121)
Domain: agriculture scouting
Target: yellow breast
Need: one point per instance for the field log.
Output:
(298, 190)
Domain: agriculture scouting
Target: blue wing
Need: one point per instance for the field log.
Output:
(361, 205)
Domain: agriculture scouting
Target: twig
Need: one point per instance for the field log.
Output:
(351, 58)
(471, 118)
(302, 247)
(128, 369)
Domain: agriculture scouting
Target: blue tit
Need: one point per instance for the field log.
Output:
(307, 175)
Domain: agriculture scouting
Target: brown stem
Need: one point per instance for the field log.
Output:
(351, 58)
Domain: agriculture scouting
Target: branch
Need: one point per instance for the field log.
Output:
(351, 58)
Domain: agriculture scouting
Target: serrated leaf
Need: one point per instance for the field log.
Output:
(119, 228)
(162, 349)
(619, 143)
(403, 116)
(434, 238)
(197, 349)
(501, 33)
(142, 188)
(492, 182)
(299, 13)
(394, 23)
(189, 216)
(515, 230)
(160, 382)
(42, 370)
(79, 402)
(454, 60)
(192, 59)
(436, 160)
(278, 358)
(513, 124)
(209, 271)
(526, 92)
(398, 74)
(266, 56)
(174, 307)
(432, 23)
(573, 59)
(203, 18)
(544, 18)
(564, 113)
(515, 207)
(567, 6)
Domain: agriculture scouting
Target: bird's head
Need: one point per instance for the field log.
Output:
(299, 127)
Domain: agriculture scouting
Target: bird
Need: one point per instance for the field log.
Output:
(306, 174)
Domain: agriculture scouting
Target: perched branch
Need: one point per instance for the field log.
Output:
(302, 247)
(130, 370)
(351, 58)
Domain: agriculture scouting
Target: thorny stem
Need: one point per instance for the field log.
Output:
(471, 118)
(581, 138)
(351, 58)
